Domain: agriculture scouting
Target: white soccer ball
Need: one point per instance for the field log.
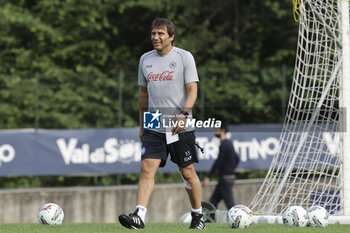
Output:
(317, 216)
(51, 214)
(186, 218)
(295, 216)
(239, 216)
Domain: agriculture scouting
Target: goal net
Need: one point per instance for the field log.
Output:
(312, 165)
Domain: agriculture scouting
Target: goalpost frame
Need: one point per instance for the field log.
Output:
(312, 166)
(345, 104)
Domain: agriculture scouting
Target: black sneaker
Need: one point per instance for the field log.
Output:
(133, 221)
(197, 221)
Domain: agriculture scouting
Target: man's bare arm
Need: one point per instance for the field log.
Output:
(192, 89)
(143, 106)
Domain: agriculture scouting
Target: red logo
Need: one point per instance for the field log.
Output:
(165, 76)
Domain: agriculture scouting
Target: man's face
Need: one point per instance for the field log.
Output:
(217, 132)
(160, 39)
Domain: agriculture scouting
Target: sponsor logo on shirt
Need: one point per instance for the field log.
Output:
(164, 76)
(172, 65)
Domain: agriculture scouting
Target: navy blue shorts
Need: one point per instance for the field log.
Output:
(182, 152)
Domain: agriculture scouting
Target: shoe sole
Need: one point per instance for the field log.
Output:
(198, 228)
(124, 220)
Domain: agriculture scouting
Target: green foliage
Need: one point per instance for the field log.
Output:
(78, 50)
(107, 180)
(73, 63)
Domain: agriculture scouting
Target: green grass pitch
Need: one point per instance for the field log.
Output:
(160, 228)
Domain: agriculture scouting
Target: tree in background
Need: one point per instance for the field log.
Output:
(62, 60)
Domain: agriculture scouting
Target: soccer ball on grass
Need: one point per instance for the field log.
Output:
(186, 218)
(295, 216)
(317, 216)
(51, 214)
(239, 216)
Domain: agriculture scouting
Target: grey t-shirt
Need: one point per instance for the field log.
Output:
(165, 78)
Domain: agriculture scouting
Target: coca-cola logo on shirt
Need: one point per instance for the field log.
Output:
(165, 76)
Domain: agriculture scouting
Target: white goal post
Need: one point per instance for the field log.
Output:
(345, 92)
(312, 166)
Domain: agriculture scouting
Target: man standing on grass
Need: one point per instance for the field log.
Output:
(225, 165)
(168, 81)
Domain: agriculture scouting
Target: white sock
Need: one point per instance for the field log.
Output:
(198, 211)
(141, 212)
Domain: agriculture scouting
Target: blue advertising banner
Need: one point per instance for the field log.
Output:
(113, 151)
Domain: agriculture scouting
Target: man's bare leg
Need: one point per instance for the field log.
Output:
(145, 189)
(195, 193)
(146, 183)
